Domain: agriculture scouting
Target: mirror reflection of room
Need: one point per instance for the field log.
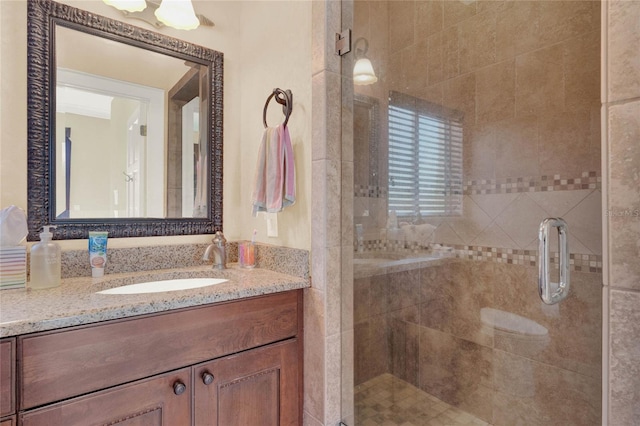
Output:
(129, 139)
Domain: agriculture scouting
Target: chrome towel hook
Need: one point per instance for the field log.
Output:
(550, 292)
(284, 98)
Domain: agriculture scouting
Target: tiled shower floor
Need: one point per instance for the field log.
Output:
(388, 401)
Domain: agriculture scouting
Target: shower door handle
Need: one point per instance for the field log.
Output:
(550, 292)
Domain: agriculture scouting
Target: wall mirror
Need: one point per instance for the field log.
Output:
(366, 121)
(125, 128)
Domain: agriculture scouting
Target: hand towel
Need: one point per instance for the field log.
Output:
(274, 183)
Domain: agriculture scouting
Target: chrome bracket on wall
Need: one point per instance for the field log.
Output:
(550, 292)
(343, 42)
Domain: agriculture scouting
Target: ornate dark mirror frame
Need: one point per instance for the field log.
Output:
(42, 18)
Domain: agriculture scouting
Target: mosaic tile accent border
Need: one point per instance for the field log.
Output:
(578, 262)
(370, 191)
(588, 180)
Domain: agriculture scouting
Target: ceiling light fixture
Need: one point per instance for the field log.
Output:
(363, 73)
(178, 14)
(127, 5)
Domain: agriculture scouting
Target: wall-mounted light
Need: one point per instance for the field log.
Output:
(128, 5)
(177, 14)
(363, 72)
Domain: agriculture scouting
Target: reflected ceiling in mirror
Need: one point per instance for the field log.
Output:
(125, 128)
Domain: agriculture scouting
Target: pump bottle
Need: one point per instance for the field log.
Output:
(46, 262)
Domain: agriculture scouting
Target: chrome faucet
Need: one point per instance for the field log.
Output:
(218, 246)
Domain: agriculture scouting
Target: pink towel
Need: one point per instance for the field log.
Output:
(275, 179)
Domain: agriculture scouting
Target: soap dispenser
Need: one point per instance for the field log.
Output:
(46, 262)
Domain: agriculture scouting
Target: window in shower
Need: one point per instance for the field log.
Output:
(425, 158)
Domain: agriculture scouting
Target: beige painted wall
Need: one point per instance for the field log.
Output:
(262, 50)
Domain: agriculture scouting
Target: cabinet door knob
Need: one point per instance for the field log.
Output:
(207, 378)
(179, 388)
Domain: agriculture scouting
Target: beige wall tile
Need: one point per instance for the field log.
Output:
(581, 62)
(495, 92)
(459, 95)
(314, 353)
(325, 17)
(517, 147)
(404, 347)
(328, 114)
(401, 24)
(540, 81)
(521, 220)
(472, 222)
(493, 236)
(565, 143)
(371, 348)
(456, 371)
(477, 41)
(456, 11)
(347, 289)
(333, 397)
(479, 152)
(559, 203)
(623, 70)
(624, 195)
(624, 353)
(332, 305)
(429, 18)
(574, 327)
(493, 204)
(446, 235)
(521, 19)
(414, 61)
(585, 221)
(309, 420)
(347, 205)
(347, 373)
(435, 58)
(450, 51)
(532, 393)
(561, 20)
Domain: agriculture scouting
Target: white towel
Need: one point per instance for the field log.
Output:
(274, 183)
(422, 234)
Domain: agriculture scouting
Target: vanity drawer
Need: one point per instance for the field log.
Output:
(7, 377)
(62, 364)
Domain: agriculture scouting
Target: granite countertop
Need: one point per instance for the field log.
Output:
(76, 301)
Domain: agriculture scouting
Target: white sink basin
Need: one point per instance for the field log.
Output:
(167, 285)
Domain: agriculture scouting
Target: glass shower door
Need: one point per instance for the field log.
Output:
(483, 121)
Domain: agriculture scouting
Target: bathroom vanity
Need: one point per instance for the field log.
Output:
(233, 362)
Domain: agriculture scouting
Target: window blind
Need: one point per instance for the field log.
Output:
(425, 158)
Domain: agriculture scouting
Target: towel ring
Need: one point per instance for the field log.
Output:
(284, 98)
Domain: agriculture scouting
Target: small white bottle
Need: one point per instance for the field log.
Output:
(46, 262)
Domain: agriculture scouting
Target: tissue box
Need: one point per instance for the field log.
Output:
(13, 267)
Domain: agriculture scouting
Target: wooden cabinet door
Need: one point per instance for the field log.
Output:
(256, 387)
(7, 377)
(9, 421)
(150, 402)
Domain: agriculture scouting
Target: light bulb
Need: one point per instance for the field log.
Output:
(363, 73)
(178, 14)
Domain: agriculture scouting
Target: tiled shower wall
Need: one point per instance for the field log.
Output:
(621, 109)
(424, 326)
(526, 76)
